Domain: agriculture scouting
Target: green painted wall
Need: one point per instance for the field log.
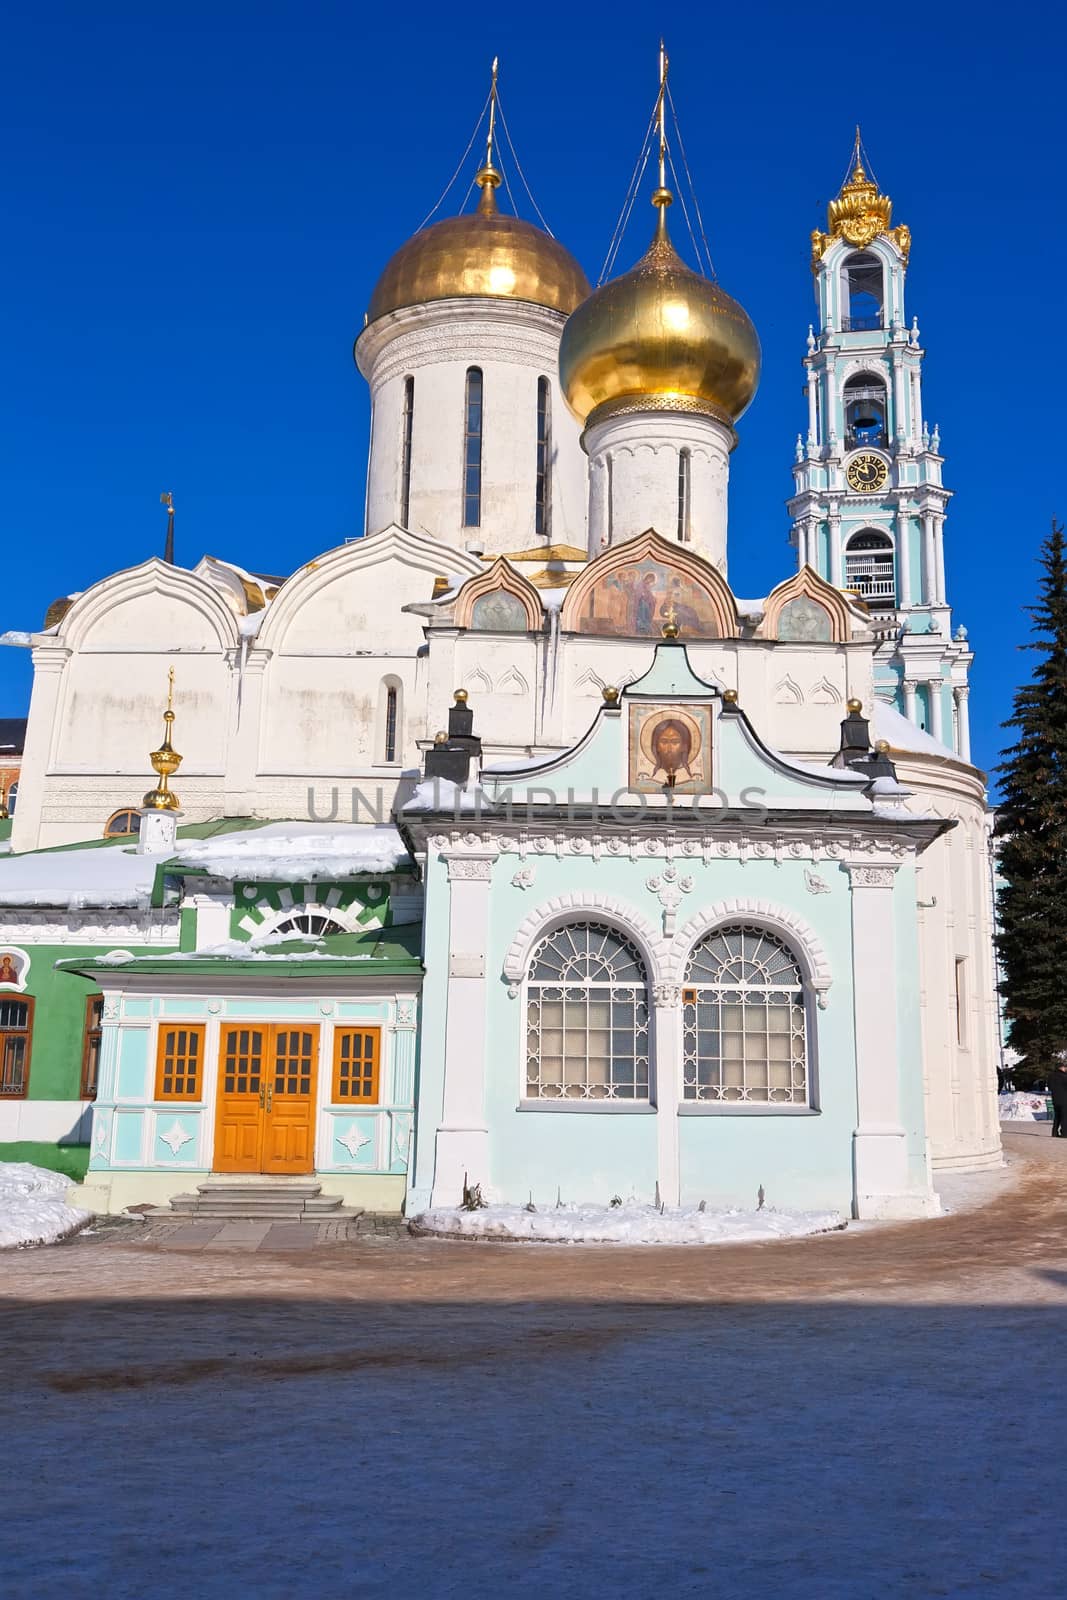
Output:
(58, 1020)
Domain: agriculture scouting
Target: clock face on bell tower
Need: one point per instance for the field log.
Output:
(866, 473)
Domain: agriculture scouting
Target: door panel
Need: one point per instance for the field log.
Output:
(289, 1129)
(241, 1099)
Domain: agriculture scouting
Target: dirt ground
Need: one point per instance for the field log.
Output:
(867, 1413)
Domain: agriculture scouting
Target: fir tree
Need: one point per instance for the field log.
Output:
(1032, 830)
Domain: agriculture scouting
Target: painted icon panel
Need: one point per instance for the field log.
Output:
(638, 598)
(670, 748)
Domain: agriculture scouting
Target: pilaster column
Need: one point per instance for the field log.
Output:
(667, 1065)
(830, 420)
(910, 687)
(48, 664)
(462, 1145)
(904, 584)
(880, 1165)
(898, 394)
(934, 687)
(939, 542)
(837, 560)
(243, 763)
(813, 406)
(929, 558)
(963, 717)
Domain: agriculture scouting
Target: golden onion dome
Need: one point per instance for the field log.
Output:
(482, 254)
(661, 337)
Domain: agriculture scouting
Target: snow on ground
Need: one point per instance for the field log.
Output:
(1018, 1107)
(626, 1224)
(32, 1206)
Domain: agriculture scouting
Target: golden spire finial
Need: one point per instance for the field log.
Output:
(487, 177)
(860, 213)
(670, 625)
(663, 196)
(165, 761)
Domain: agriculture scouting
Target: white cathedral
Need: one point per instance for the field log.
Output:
(697, 888)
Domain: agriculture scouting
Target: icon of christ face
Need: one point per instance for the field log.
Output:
(671, 746)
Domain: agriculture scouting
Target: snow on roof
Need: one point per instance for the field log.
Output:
(112, 876)
(904, 735)
(80, 880)
(16, 636)
(296, 852)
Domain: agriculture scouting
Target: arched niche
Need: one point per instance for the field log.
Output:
(633, 588)
(499, 600)
(806, 610)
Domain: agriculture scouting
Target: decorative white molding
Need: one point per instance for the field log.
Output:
(871, 877)
(800, 936)
(814, 884)
(353, 1141)
(582, 905)
(470, 868)
(666, 995)
(669, 888)
(524, 878)
(176, 1137)
(92, 928)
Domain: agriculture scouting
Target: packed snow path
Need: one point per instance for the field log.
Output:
(829, 1418)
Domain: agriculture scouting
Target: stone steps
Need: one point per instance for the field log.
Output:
(278, 1201)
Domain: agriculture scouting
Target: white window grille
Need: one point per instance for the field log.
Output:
(744, 1021)
(586, 1017)
(314, 922)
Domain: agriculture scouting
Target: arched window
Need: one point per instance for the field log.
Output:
(586, 1017)
(12, 798)
(122, 823)
(390, 740)
(870, 567)
(390, 723)
(543, 505)
(685, 467)
(865, 411)
(16, 1030)
(313, 922)
(472, 450)
(863, 282)
(405, 450)
(744, 1020)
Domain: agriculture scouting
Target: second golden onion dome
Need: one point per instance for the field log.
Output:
(663, 335)
(482, 254)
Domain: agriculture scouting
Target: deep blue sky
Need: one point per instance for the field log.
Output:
(198, 199)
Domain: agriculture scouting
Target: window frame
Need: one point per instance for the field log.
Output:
(340, 1032)
(197, 1094)
(685, 495)
(626, 1104)
(887, 547)
(26, 1032)
(407, 426)
(473, 445)
(123, 811)
(690, 1105)
(543, 487)
(92, 1033)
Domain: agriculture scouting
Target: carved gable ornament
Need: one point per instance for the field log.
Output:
(634, 588)
(499, 600)
(806, 610)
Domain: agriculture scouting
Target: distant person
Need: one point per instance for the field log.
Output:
(1057, 1088)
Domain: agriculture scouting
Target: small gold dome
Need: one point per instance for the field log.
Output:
(661, 334)
(482, 254)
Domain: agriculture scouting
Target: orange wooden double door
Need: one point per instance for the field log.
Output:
(265, 1117)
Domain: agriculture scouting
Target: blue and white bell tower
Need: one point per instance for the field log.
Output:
(868, 508)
